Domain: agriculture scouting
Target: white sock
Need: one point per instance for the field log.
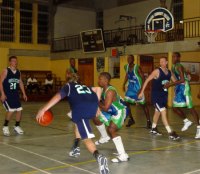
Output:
(185, 120)
(119, 145)
(102, 130)
(198, 127)
(168, 129)
(154, 125)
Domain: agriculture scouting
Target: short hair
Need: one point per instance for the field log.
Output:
(71, 59)
(177, 54)
(130, 55)
(163, 57)
(12, 57)
(106, 75)
(73, 78)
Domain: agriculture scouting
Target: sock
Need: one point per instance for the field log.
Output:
(17, 123)
(185, 120)
(198, 127)
(168, 129)
(76, 142)
(6, 122)
(119, 145)
(154, 125)
(102, 130)
(96, 154)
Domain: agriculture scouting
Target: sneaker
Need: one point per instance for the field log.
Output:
(121, 158)
(149, 124)
(69, 114)
(103, 164)
(75, 152)
(155, 131)
(187, 124)
(174, 136)
(197, 134)
(6, 131)
(102, 140)
(131, 122)
(18, 130)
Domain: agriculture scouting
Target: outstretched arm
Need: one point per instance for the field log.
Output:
(125, 81)
(2, 78)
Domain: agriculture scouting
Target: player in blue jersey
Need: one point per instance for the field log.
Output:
(159, 96)
(10, 83)
(183, 96)
(113, 114)
(134, 77)
(80, 98)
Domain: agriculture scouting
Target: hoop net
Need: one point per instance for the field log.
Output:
(151, 35)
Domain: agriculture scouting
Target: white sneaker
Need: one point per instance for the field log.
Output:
(187, 124)
(69, 114)
(197, 134)
(121, 158)
(18, 130)
(6, 131)
(102, 140)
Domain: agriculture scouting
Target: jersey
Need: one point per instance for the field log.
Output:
(83, 101)
(11, 84)
(134, 85)
(182, 91)
(159, 94)
(73, 70)
(116, 112)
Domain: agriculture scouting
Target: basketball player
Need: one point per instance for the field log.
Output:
(10, 82)
(113, 114)
(80, 98)
(159, 95)
(183, 96)
(135, 79)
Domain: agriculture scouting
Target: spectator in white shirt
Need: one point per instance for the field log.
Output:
(32, 84)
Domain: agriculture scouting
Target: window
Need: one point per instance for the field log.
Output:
(43, 24)
(7, 21)
(178, 10)
(26, 22)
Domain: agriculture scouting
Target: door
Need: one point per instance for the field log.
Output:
(146, 64)
(86, 71)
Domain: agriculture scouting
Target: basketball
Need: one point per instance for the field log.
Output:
(47, 118)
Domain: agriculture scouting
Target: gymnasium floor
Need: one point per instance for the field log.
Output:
(45, 149)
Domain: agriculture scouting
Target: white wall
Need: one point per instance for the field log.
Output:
(70, 21)
(139, 10)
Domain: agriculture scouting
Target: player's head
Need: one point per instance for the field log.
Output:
(130, 59)
(163, 62)
(72, 77)
(13, 61)
(72, 62)
(176, 57)
(104, 79)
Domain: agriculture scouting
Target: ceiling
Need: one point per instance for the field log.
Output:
(94, 4)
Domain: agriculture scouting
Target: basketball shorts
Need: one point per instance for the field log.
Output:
(117, 119)
(160, 103)
(132, 97)
(84, 128)
(182, 96)
(12, 105)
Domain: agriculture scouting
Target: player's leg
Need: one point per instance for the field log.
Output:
(131, 120)
(146, 111)
(6, 130)
(86, 134)
(102, 130)
(154, 129)
(196, 118)
(17, 127)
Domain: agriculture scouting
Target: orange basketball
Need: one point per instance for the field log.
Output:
(47, 118)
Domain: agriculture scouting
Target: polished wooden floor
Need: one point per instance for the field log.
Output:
(45, 149)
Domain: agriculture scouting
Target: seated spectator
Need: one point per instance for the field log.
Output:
(32, 84)
(48, 83)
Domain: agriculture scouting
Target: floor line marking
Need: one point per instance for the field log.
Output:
(194, 171)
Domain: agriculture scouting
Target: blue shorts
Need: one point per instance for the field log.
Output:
(12, 105)
(160, 103)
(84, 128)
(132, 97)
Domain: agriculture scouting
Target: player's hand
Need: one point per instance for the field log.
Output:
(98, 112)
(166, 85)
(140, 95)
(25, 97)
(40, 114)
(3, 97)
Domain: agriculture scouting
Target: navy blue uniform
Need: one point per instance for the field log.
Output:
(83, 103)
(159, 95)
(11, 90)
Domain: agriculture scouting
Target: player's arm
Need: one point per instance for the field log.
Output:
(21, 85)
(2, 78)
(140, 72)
(125, 81)
(110, 94)
(181, 80)
(153, 75)
(98, 91)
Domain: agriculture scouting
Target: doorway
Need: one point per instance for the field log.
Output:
(86, 71)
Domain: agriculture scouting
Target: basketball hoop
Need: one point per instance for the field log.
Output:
(151, 35)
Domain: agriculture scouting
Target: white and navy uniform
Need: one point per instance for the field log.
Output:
(11, 90)
(83, 103)
(159, 95)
